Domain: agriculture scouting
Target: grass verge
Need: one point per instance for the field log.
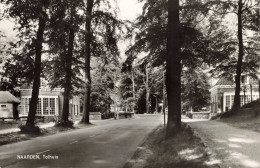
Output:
(247, 117)
(184, 150)
(18, 136)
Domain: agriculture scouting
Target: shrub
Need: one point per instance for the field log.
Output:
(30, 129)
(61, 123)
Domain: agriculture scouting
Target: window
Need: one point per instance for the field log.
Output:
(247, 99)
(3, 106)
(232, 100)
(228, 102)
(39, 107)
(22, 106)
(52, 106)
(241, 100)
(26, 105)
(45, 106)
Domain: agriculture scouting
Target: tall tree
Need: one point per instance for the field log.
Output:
(64, 39)
(25, 13)
(37, 64)
(102, 32)
(86, 107)
(246, 12)
(68, 63)
(240, 54)
(173, 69)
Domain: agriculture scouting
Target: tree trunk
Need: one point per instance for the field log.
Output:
(240, 56)
(68, 62)
(147, 90)
(86, 106)
(173, 70)
(133, 82)
(37, 67)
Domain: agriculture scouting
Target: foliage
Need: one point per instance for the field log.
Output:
(126, 87)
(246, 12)
(151, 37)
(19, 65)
(103, 84)
(58, 42)
(195, 89)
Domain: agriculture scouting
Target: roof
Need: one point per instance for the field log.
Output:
(230, 81)
(225, 81)
(7, 97)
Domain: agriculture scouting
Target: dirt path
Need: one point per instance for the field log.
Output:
(232, 147)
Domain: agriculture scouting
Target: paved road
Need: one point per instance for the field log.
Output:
(108, 144)
(233, 147)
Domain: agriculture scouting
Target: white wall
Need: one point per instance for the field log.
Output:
(8, 111)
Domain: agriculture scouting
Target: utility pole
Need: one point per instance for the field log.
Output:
(147, 89)
(244, 95)
(258, 45)
(251, 90)
(259, 88)
(164, 98)
(133, 82)
(156, 107)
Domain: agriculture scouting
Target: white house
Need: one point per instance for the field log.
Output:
(223, 93)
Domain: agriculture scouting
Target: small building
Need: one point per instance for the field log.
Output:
(50, 102)
(223, 93)
(8, 105)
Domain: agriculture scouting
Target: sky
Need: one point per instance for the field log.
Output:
(128, 10)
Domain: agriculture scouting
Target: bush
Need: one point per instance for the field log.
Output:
(61, 123)
(30, 129)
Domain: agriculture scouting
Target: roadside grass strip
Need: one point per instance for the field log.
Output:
(183, 150)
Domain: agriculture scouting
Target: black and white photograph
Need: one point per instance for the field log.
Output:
(129, 83)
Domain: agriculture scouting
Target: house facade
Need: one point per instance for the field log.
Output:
(50, 102)
(223, 93)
